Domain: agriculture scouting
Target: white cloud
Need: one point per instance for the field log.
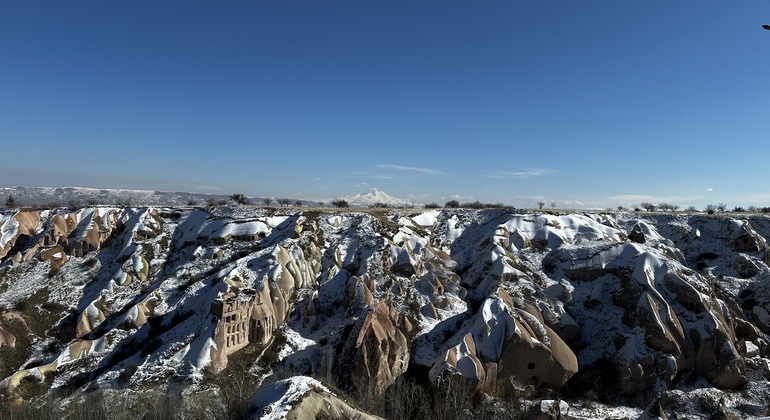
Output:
(709, 189)
(632, 197)
(523, 173)
(426, 171)
(571, 204)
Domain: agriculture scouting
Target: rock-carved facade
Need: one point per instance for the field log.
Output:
(243, 318)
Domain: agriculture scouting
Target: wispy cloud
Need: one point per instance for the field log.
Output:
(363, 175)
(206, 188)
(425, 171)
(522, 173)
(638, 198)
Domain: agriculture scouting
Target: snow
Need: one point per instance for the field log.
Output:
(427, 219)
(481, 265)
(374, 196)
(8, 231)
(276, 400)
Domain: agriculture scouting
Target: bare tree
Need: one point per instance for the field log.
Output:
(10, 202)
(647, 206)
(405, 399)
(553, 205)
(267, 200)
(284, 201)
(722, 207)
(453, 204)
(710, 209)
(298, 203)
(691, 209)
(240, 199)
(321, 204)
(540, 204)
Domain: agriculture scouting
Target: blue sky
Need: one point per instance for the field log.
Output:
(591, 103)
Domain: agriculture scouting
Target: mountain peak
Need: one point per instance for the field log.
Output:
(374, 196)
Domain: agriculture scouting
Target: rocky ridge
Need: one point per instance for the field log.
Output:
(627, 309)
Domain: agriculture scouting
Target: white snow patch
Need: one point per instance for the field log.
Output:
(275, 400)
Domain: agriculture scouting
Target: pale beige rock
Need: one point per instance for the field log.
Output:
(7, 339)
(88, 322)
(381, 352)
(55, 255)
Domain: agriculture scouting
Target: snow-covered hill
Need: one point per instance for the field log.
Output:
(409, 313)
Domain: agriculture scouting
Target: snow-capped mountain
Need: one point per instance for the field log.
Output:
(375, 196)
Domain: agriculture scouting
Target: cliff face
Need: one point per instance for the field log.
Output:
(497, 301)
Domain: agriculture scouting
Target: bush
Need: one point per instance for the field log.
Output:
(432, 206)
(710, 209)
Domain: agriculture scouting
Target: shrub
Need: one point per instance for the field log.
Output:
(738, 209)
(710, 209)
(432, 206)
(453, 204)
